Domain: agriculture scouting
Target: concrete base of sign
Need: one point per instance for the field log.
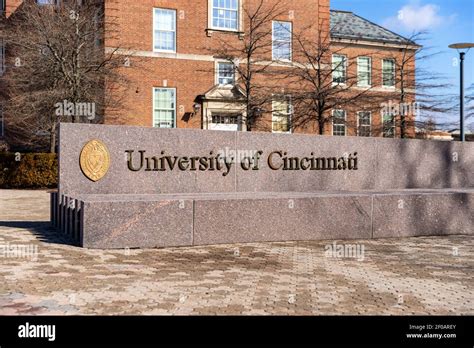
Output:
(114, 221)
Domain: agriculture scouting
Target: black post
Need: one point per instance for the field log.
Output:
(461, 123)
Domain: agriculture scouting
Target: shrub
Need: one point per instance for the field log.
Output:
(28, 171)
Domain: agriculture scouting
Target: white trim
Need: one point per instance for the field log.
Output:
(175, 30)
(197, 57)
(166, 55)
(153, 106)
(357, 42)
(370, 72)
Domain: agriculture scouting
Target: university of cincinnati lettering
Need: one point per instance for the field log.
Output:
(276, 160)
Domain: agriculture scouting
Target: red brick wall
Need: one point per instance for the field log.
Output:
(11, 6)
(377, 53)
(190, 77)
(130, 24)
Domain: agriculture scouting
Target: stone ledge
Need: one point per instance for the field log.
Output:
(148, 221)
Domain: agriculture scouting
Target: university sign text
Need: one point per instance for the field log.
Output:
(276, 160)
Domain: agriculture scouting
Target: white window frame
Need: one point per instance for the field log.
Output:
(211, 17)
(154, 106)
(346, 63)
(359, 72)
(216, 67)
(339, 124)
(175, 30)
(45, 2)
(369, 125)
(394, 74)
(275, 99)
(275, 41)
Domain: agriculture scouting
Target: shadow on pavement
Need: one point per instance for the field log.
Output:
(42, 230)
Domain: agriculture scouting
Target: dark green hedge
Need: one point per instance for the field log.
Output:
(28, 171)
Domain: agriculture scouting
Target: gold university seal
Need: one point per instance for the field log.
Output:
(95, 160)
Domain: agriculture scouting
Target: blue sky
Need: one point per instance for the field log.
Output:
(447, 21)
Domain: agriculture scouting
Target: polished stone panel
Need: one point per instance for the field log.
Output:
(318, 216)
(127, 223)
(147, 221)
(422, 214)
(411, 164)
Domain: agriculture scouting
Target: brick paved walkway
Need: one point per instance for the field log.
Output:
(429, 275)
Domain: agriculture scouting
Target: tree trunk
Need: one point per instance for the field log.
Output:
(52, 139)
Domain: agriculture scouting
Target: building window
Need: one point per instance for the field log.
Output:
(45, 2)
(164, 107)
(365, 124)
(225, 119)
(282, 36)
(164, 30)
(225, 73)
(388, 72)
(281, 114)
(364, 71)
(388, 125)
(225, 14)
(339, 66)
(339, 122)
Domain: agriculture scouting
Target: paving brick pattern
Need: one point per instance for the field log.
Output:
(429, 275)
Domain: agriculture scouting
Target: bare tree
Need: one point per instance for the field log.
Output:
(318, 84)
(59, 70)
(416, 83)
(251, 56)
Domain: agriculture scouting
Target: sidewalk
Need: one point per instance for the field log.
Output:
(42, 274)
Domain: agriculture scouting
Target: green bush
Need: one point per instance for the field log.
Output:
(28, 171)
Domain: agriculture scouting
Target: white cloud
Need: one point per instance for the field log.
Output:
(416, 17)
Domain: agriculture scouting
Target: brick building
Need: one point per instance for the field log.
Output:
(182, 83)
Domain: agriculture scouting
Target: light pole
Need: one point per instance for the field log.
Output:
(462, 48)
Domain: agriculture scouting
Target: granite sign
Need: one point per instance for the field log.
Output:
(122, 186)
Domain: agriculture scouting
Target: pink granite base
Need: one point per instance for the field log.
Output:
(399, 187)
(148, 221)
